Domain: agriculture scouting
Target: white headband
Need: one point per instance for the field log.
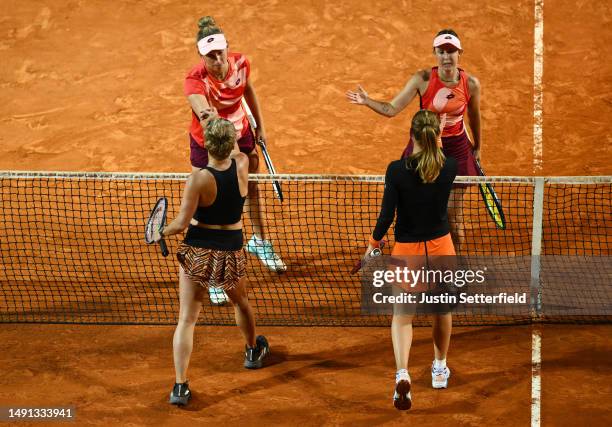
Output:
(443, 39)
(212, 42)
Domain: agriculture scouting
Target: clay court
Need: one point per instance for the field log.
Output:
(90, 87)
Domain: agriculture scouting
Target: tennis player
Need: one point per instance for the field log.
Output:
(418, 187)
(215, 87)
(212, 250)
(449, 91)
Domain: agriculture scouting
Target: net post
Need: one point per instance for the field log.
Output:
(536, 247)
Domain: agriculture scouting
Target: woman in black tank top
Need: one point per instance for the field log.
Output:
(212, 253)
(418, 188)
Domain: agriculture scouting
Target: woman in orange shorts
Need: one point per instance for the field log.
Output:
(418, 188)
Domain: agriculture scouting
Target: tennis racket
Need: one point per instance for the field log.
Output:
(156, 222)
(491, 201)
(264, 150)
(376, 252)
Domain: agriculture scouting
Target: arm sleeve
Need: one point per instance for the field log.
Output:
(387, 210)
(194, 84)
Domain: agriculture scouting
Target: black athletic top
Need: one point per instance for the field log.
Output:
(227, 207)
(421, 208)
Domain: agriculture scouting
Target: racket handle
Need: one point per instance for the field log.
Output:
(376, 252)
(164, 247)
(278, 190)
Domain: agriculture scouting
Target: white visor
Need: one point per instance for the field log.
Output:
(212, 42)
(443, 39)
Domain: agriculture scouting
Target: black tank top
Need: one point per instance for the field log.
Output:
(228, 204)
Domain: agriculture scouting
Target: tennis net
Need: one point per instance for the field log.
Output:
(72, 248)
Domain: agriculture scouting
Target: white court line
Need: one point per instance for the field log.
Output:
(538, 71)
(536, 380)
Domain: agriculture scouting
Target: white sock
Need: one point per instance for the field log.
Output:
(439, 364)
(402, 374)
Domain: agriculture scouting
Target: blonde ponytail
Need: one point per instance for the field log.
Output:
(426, 131)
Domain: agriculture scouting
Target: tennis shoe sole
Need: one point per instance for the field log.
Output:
(402, 398)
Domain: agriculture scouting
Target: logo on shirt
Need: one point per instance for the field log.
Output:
(450, 96)
(237, 82)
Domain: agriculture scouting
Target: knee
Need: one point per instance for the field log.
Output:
(253, 161)
(187, 319)
(242, 302)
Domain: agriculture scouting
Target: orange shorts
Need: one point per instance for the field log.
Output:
(440, 246)
(440, 255)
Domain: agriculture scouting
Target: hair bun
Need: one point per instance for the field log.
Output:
(206, 21)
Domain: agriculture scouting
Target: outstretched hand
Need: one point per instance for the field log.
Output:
(206, 115)
(359, 97)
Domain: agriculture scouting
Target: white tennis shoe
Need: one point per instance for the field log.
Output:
(217, 296)
(265, 252)
(439, 376)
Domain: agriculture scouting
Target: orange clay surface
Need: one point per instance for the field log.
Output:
(90, 86)
(316, 376)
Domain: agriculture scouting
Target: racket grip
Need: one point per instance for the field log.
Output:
(376, 252)
(278, 190)
(164, 247)
(356, 267)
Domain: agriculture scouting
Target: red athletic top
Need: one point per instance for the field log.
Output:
(449, 103)
(224, 95)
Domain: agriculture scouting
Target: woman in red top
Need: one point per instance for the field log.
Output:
(449, 91)
(215, 88)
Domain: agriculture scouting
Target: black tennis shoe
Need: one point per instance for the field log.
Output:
(180, 394)
(254, 356)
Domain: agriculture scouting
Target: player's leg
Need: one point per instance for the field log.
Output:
(256, 348)
(190, 306)
(441, 333)
(455, 216)
(401, 335)
(243, 311)
(258, 244)
(253, 205)
(460, 148)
